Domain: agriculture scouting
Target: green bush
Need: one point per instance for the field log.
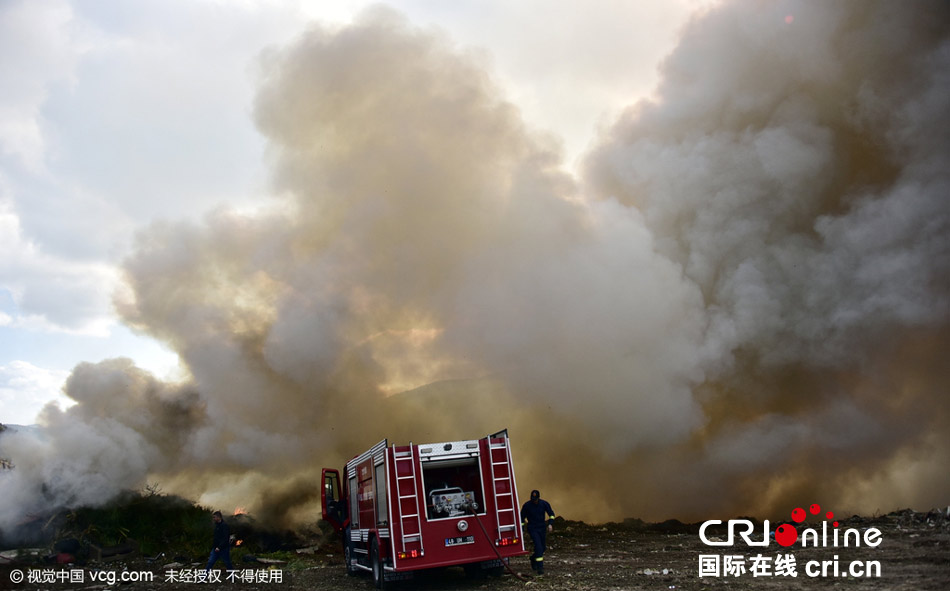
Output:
(157, 522)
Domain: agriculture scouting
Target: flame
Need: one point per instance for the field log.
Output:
(239, 542)
(240, 511)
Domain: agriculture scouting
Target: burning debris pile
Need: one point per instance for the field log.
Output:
(138, 525)
(936, 520)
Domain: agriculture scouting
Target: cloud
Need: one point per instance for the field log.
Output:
(40, 50)
(93, 115)
(25, 389)
(51, 294)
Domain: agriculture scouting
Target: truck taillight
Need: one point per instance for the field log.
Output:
(506, 542)
(410, 554)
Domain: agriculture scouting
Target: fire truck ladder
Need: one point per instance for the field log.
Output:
(503, 489)
(405, 490)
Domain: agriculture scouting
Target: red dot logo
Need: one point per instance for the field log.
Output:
(786, 535)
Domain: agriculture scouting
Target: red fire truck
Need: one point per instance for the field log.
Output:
(411, 507)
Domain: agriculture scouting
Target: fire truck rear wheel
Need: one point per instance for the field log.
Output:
(379, 578)
(473, 570)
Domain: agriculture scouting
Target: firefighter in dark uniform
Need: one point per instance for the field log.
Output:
(533, 518)
(221, 543)
(338, 510)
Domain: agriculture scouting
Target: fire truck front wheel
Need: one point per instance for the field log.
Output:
(379, 578)
(348, 558)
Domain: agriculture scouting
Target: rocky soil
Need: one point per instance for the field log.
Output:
(914, 554)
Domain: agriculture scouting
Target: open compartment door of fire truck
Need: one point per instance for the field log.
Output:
(334, 510)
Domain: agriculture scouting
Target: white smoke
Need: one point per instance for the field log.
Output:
(124, 426)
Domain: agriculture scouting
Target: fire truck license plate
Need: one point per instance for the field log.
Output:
(459, 541)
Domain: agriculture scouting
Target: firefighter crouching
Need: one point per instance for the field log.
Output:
(532, 517)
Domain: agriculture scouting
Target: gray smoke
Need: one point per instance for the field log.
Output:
(740, 305)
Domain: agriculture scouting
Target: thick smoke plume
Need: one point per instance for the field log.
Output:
(740, 305)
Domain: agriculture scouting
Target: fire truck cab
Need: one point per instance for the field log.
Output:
(400, 509)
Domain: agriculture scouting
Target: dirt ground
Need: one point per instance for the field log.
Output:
(914, 554)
